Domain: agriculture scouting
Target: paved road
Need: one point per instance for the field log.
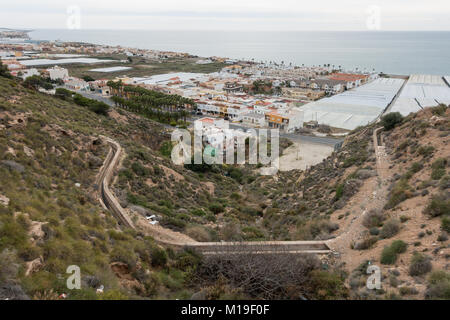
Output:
(299, 137)
(96, 97)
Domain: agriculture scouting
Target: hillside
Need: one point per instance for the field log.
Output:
(50, 217)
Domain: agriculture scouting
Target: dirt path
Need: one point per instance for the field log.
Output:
(170, 237)
(371, 196)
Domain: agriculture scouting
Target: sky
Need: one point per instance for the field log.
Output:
(235, 15)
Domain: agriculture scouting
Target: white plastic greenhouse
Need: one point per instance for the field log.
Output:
(356, 107)
(422, 91)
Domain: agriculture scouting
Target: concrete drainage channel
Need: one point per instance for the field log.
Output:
(262, 247)
(109, 201)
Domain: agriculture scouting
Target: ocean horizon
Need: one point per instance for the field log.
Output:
(393, 52)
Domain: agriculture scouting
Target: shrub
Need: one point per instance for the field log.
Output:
(158, 256)
(445, 224)
(399, 246)
(328, 285)
(139, 169)
(445, 182)
(390, 229)
(406, 291)
(113, 295)
(198, 233)
(391, 120)
(416, 167)
(442, 237)
(373, 218)
(420, 264)
(425, 150)
(339, 191)
(216, 208)
(198, 212)
(390, 253)
(438, 285)
(366, 243)
(166, 148)
(63, 93)
(439, 110)
(4, 71)
(438, 168)
(399, 193)
(438, 206)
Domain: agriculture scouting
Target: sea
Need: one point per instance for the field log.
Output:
(391, 52)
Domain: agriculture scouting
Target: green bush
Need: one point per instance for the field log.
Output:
(166, 148)
(216, 208)
(339, 191)
(399, 193)
(328, 285)
(373, 218)
(439, 110)
(438, 168)
(445, 224)
(416, 167)
(438, 206)
(390, 229)
(366, 243)
(158, 256)
(438, 285)
(420, 264)
(391, 120)
(425, 150)
(4, 71)
(390, 253)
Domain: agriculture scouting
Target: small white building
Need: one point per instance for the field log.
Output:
(208, 122)
(58, 73)
(236, 112)
(29, 73)
(254, 119)
(76, 84)
(208, 108)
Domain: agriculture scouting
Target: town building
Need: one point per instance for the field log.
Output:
(254, 119)
(302, 93)
(57, 73)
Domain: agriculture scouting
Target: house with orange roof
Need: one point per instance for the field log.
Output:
(351, 80)
(287, 120)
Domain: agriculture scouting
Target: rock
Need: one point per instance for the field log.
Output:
(140, 210)
(13, 166)
(365, 173)
(4, 200)
(33, 266)
(95, 162)
(29, 152)
(12, 291)
(92, 281)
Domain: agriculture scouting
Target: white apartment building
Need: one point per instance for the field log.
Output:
(208, 108)
(29, 73)
(58, 73)
(236, 112)
(254, 119)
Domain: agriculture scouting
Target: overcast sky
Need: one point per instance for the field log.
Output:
(250, 15)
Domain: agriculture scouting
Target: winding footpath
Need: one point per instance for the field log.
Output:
(172, 238)
(169, 237)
